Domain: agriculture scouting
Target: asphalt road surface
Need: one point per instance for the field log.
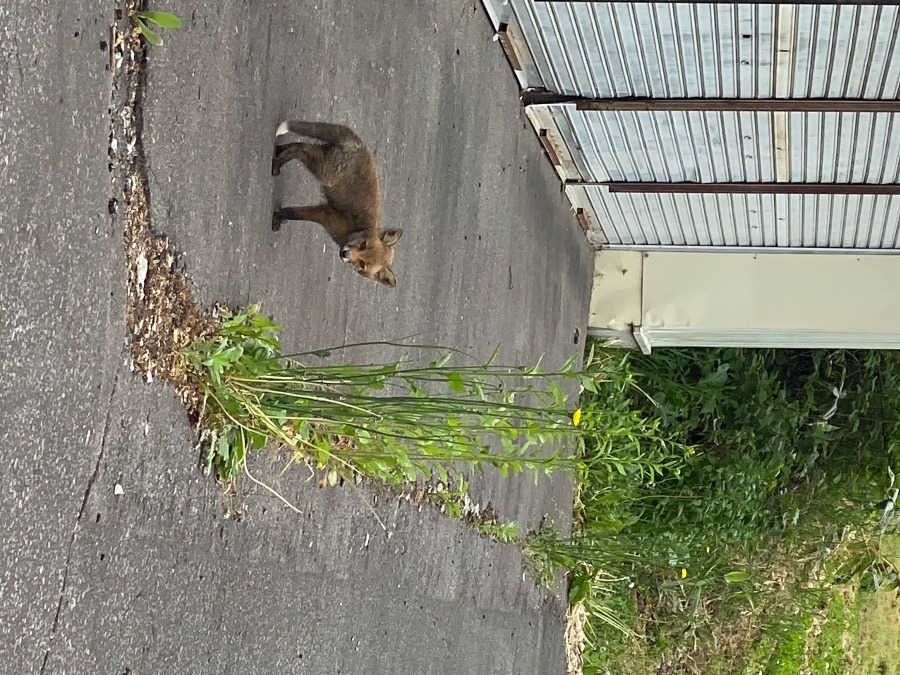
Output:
(151, 577)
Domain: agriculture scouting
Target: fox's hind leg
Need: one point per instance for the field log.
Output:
(311, 154)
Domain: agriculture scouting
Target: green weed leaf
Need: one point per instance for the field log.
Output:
(736, 577)
(149, 35)
(163, 20)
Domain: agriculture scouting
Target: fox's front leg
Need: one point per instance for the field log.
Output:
(321, 214)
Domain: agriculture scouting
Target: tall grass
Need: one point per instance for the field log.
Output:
(776, 472)
(397, 421)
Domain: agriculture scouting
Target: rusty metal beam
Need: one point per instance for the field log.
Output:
(507, 46)
(540, 97)
(748, 188)
(544, 138)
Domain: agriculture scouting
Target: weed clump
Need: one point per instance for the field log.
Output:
(398, 422)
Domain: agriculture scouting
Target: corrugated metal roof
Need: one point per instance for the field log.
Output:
(749, 220)
(615, 50)
(713, 147)
(606, 50)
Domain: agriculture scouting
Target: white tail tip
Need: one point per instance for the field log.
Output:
(282, 129)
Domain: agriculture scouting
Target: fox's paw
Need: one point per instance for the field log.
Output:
(276, 222)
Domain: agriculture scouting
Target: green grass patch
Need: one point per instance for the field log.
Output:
(823, 640)
(879, 624)
(831, 646)
(774, 483)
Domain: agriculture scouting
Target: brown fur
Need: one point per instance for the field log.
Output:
(349, 177)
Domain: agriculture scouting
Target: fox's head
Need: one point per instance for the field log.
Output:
(372, 253)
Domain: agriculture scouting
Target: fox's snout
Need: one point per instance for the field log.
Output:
(372, 255)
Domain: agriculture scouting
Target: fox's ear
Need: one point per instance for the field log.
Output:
(386, 276)
(391, 237)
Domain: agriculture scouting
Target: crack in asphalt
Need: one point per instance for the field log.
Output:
(16, 52)
(87, 493)
(118, 140)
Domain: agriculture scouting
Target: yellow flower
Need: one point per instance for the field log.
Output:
(683, 572)
(576, 417)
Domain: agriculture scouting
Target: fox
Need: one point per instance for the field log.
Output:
(346, 169)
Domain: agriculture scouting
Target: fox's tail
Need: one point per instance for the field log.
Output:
(335, 134)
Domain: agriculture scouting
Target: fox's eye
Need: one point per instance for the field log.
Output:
(362, 246)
